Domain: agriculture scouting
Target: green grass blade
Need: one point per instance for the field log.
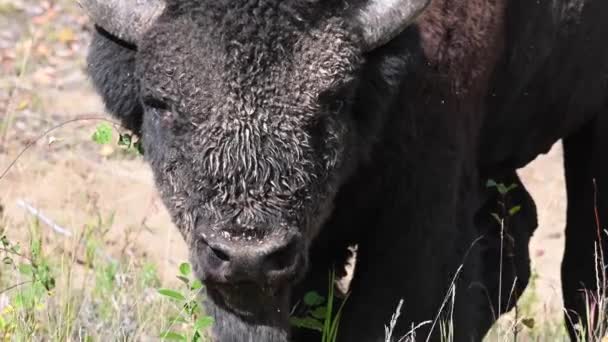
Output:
(330, 302)
(336, 322)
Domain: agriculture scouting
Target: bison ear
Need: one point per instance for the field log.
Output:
(111, 67)
(383, 20)
(127, 20)
(120, 25)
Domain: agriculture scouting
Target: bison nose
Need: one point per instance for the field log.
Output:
(270, 263)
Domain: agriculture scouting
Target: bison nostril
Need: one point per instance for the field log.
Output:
(241, 263)
(281, 259)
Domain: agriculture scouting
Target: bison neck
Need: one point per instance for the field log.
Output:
(423, 101)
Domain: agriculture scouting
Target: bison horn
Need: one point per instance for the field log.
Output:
(383, 20)
(127, 20)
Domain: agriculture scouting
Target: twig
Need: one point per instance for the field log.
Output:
(8, 251)
(14, 286)
(54, 226)
(45, 133)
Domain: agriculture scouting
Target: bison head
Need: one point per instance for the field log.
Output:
(248, 126)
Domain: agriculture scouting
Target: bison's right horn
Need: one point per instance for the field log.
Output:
(127, 20)
(383, 20)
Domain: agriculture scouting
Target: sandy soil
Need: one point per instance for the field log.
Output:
(544, 179)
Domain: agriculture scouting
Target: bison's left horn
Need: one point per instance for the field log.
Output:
(127, 20)
(383, 20)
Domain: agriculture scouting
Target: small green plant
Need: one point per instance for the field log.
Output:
(103, 135)
(190, 314)
(503, 190)
(36, 286)
(502, 218)
(319, 313)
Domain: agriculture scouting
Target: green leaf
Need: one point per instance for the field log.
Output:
(191, 307)
(183, 279)
(512, 187)
(36, 248)
(185, 269)
(491, 183)
(203, 323)
(139, 147)
(319, 313)
(313, 298)
(196, 285)
(26, 269)
(514, 210)
(125, 140)
(44, 275)
(502, 189)
(172, 294)
(103, 134)
(173, 336)
(306, 323)
(15, 249)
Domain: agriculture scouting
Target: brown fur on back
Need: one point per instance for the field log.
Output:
(463, 39)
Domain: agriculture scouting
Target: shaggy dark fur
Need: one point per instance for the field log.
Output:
(264, 121)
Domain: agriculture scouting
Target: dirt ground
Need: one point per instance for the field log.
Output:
(71, 180)
(544, 179)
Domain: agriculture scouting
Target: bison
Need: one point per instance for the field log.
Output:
(283, 132)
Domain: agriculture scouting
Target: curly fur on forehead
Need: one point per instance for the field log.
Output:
(235, 10)
(265, 23)
(262, 43)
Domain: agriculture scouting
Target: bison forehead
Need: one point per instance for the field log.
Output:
(237, 64)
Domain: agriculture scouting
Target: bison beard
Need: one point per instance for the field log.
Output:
(338, 123)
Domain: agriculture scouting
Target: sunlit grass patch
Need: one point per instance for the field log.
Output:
(82, 294)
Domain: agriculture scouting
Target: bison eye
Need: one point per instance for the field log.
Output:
(159, 109)
(156, 103)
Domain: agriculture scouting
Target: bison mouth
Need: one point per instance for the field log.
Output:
(252, 303)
